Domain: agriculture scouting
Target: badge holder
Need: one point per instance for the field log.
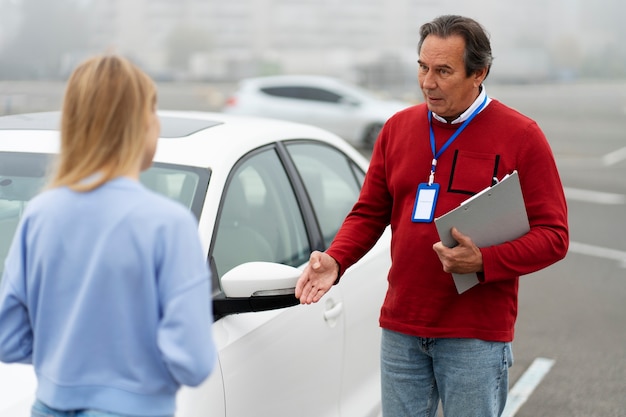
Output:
(425, 201)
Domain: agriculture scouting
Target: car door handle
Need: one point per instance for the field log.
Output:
(333, 312)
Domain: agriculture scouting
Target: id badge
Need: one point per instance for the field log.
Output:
(425, 202)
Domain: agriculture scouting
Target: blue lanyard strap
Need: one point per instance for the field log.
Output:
(445, 146)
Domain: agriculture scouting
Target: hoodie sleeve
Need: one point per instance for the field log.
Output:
(184, 336)
(16, 334)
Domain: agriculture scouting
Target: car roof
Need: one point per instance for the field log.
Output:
(201, 139)
(171, 126)
(291, 77)
(309, 80)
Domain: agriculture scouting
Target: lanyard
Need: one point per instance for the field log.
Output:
(436, 155)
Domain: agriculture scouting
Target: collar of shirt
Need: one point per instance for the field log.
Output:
(467, 113)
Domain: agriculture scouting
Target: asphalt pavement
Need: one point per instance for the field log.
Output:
(574, 312)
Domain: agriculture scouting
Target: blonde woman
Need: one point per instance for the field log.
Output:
(106, 288)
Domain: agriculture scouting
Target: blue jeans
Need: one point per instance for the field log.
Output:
(469, 376)
(39, 409)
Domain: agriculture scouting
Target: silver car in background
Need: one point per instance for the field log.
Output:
(355, 114)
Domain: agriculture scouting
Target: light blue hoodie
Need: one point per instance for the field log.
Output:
(107, 294)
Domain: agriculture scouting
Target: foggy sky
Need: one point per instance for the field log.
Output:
(41, 37)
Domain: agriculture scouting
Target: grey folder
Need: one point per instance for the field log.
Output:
(493, 216)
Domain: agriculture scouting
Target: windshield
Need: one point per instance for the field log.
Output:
(24, 175)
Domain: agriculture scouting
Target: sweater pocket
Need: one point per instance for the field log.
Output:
(472, 172)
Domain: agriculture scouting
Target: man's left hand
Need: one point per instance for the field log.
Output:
(464, 258)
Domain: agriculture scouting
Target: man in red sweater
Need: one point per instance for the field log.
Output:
(438, 344)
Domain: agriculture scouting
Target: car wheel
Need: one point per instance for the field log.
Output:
(371, 134)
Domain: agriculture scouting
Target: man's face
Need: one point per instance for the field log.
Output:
(448, 90)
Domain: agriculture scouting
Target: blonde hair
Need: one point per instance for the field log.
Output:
(106, 108)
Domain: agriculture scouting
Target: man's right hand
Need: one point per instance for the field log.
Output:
(318, 277)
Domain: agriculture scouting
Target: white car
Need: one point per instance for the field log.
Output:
(266, 193)
(351, 112)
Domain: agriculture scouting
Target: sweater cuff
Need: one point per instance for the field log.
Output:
(487, 254)
(339, 271)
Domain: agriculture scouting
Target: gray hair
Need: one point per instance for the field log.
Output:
(477, 45)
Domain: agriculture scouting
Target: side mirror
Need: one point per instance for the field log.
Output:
(257, 286)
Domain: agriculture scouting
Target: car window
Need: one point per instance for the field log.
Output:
(260, 219)
(303, 93)
(185, 184)
(333, 183)
(24, 175)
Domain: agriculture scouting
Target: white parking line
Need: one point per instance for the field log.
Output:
(597, 197)
(598, 252)
(614, 157)
(526, 385)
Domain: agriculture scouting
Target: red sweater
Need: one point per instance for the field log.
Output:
(421, 299)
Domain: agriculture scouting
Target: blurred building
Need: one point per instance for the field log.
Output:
(231, 39)
(372, 42)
